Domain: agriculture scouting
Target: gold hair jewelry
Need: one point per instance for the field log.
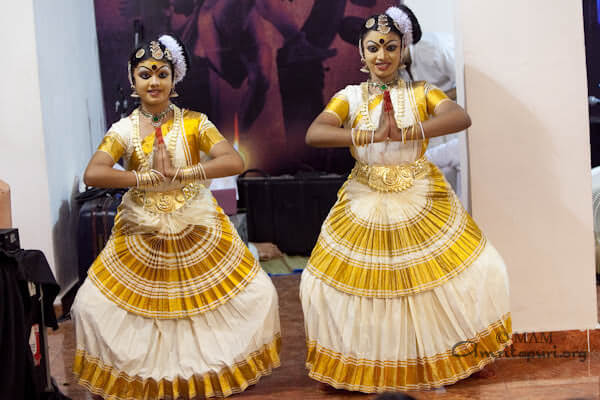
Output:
(140, 53)
(383, 24)
(156, 51)
(370, 22)
(168, 55)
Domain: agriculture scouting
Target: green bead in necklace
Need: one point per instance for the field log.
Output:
(383, 86)
(155, 119)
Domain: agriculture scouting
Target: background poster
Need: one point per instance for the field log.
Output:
(262, 70)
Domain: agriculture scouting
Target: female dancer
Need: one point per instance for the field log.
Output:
(402, 290)
(175, 306)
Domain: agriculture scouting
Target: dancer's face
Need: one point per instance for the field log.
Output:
(382, 54)
(153, 81)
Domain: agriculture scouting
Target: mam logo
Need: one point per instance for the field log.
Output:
(539, 337)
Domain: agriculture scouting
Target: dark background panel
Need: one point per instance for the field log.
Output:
(262, 70)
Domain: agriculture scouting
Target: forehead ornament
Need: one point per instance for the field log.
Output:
(383, 25)
(156, 51)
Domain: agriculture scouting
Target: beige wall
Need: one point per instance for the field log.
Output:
(22, 149)
(525, 89)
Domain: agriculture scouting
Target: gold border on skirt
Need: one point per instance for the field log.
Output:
(376, 376)
(104, 380)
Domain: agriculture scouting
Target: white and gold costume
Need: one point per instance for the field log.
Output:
(402, 290)
(175, 306)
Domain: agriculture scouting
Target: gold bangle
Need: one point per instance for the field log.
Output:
(175, 176)
(192, 174)
(148, 178)
(365, 137)
(204, 177)
(422, 130)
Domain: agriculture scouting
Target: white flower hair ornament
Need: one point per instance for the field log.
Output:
(403, 20)
(178, 57)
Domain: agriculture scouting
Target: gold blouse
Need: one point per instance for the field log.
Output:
(427, 96)
(198, 136)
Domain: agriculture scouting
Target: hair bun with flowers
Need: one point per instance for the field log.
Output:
(403, 20)
(180, 61)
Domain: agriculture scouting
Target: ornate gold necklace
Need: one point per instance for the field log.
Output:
(383, 86)
(156, 119)
(145, 160)
(400, 109)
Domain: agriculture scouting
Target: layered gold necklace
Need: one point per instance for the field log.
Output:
(405, 102)
(146, 160)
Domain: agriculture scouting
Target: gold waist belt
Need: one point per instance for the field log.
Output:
(165, 202)
(389, 178)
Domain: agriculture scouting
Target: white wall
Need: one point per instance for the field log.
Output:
(525, 82)
(72, 110)
(52, 117)
(441, 16)
(434, 15)
(22, 145)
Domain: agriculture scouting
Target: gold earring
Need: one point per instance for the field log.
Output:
(173, 93)
(364, 67)
(134, 93)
